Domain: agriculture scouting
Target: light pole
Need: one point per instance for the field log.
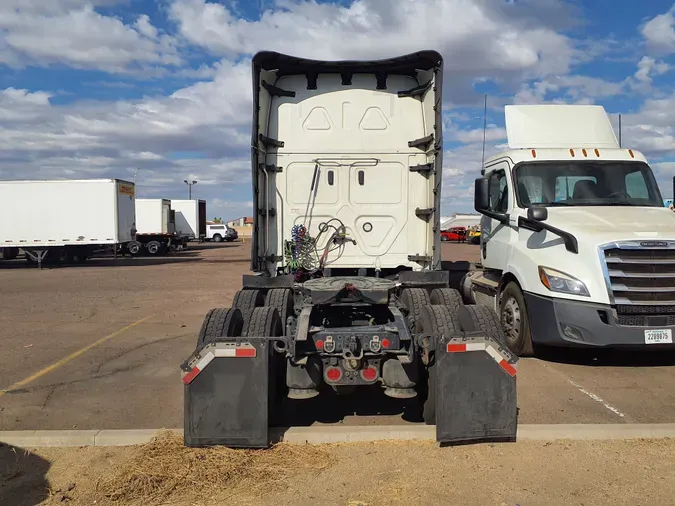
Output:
(189, 183)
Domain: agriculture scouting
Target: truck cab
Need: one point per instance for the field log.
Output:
(577, 248)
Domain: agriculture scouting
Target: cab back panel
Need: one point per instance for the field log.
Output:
(346, 156)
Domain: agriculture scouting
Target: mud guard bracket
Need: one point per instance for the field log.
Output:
(476, 389)
(229, 393)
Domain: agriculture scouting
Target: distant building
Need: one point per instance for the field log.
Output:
(461, 220)
(243, 225)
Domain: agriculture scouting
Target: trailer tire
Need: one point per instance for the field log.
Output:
(64, 256)
(248, 299)
(414, 300)
(219, 323)
(436, 320)
(134, 248)
(153, 247)
(445, 297)
(282, 300)
(10, 253)
(514, 320)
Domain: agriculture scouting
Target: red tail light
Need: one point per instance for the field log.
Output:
(333, 374)
(369, 373)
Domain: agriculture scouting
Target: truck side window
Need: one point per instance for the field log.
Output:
(499, 192)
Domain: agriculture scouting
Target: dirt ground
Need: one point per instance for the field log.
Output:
(364, 474)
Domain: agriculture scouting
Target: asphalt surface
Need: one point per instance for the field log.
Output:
(68, 360)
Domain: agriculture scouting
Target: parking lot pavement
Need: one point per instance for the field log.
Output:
(69, 360)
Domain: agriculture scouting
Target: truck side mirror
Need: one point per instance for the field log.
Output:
(537, 213)
(481, 196)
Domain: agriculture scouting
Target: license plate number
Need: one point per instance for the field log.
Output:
(664, 336)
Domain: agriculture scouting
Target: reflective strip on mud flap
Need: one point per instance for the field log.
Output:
(219, 350)
(491, 350)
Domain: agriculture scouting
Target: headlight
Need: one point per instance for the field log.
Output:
(557, 281)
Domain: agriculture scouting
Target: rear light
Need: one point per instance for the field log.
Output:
(386, 343)
(369, 374)
(319, 345)
(333, 374)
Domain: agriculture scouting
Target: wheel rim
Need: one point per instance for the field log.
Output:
(511, 319)
(133, 249)
(153, 248)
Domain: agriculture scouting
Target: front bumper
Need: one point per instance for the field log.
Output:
(560, 322)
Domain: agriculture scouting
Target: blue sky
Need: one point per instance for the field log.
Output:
(93, 88)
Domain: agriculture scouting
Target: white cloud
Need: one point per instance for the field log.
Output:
(568, 89)
(73, 33)
(492, 39)
(659, 33)
(647, 69)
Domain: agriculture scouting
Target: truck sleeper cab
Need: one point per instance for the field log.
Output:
(577, 248)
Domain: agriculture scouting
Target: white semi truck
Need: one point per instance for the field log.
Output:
(64, 221)
(156, 224)
(348, 291)
(577, 248)
(190, 218)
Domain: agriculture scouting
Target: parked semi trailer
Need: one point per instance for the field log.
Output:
(577, 248)
(190, 218)
(65, 221)
(348, 291)
(156, 225)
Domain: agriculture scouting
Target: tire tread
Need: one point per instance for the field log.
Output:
(445, 297)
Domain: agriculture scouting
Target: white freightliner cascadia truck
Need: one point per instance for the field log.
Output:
(577, 248)
(348, 291)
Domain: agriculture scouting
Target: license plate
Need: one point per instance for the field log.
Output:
(664, 336)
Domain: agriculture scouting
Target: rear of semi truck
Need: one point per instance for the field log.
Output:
(348, 291)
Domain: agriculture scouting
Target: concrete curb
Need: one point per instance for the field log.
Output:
(320, 434)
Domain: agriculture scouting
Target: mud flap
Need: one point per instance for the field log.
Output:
(227, 394)
(476, 390)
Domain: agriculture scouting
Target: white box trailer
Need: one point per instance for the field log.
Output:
(190, 218)
(156, 227)
(65, 220)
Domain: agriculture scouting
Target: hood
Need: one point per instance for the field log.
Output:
(615, 223)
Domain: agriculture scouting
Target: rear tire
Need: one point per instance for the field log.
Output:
(218, 238)
(134, 248)
(436, 320)
(248, 299)
(282, 300)
(445, 297)
(262, 322)
(219, 323)
(515, 321)
(153, 247)
(414, 300)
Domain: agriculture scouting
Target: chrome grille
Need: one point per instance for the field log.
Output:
(637, 274)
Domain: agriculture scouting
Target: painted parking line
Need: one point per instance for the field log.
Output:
(72, 356)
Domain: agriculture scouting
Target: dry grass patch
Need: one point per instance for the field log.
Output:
(164, 470)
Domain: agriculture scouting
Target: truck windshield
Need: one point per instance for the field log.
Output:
(586, 184)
